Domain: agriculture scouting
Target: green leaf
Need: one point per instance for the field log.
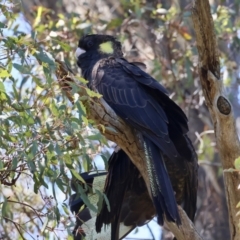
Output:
(92, 93)
(100, 199)
(46, 60)
(29, 119)
(237, 163)
(58, 150)
(21, 68)
(97, 136)
(54, 191)
(68, 160)
(50, 131)
(57, 214)
(39, 16)
(85, 120)
(3, 25)
(32, 165)
(5, 208)
(44, 225)
(65, 208)
(54, 109)
(42, 182)
(14, 163)
(82, 80)
(76, 175)
(18, 108)
(2, 87)
(1, 165)
(107, 202)
(85, 198)
(34, 148)
(81, 109)
(87, 163)
(50, 173)
(66, 47)
(35, 186)
(116, 22)
(76, 121)
(9, 66)
(43, 56)
(4, 73)
(60, 184)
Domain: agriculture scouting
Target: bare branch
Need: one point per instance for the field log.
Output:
(27, 205)
(17, 226)
(150, 230)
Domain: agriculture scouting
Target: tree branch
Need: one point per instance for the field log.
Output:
(119, 132)
(219, 107)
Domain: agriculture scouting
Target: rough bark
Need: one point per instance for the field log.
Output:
(219, 107)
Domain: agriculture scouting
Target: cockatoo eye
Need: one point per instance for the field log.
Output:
(90, 44)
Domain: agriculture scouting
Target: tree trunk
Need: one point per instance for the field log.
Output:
(219, 107)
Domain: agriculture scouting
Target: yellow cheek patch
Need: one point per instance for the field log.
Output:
(106, 47)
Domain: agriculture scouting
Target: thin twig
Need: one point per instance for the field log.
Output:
(150, 230)
(25, 204)
(17, 225)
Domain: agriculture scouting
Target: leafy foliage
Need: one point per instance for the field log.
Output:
(44, 138)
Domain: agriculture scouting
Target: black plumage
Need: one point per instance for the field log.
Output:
(144, 104)
(134, 207)
(128, 196)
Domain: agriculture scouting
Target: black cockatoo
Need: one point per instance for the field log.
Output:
(143, 103)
